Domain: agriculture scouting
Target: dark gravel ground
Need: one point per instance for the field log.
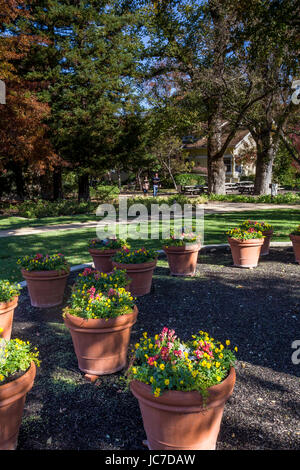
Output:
(257, 309)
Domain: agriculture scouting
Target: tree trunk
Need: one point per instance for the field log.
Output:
(46, 189)
(19, 180)
(266, 152)
(215, 160)
(83, 188)
(57, 184)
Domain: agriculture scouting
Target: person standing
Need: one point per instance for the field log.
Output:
(145, 186)
(155, 182)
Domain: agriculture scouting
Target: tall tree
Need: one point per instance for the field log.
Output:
(96, 53)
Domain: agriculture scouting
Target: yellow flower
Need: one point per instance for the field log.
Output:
(137, 345)
(227, 342)
(157, 392)
(151, 379)
(219, 378)
(162, 366)
(167, 381)
(236, 349)
(134, 370)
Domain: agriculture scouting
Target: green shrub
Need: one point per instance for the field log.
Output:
(189, 179)
(40, 208)
(105, 193)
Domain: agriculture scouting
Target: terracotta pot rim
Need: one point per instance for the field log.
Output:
(45, 274)
(17, 387)
(294, 237)
(7, 305)
(182, 249)
(268, 232)
(136, 266)
(252, 241)
(100, 323)
(191, 401)
(107, 252)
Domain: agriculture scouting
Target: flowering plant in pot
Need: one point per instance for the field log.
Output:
(18, 363)
(9, 295)
(295, 238)
(102, 251)
(101, 281)
(175, 382)
(139, 265)
(266, 229)
(245, 246)
(182, 253)
(46, 278)
(100, 325)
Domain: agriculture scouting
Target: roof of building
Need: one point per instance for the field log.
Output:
(202, 143)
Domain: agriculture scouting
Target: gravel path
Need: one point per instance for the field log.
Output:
(258, 310)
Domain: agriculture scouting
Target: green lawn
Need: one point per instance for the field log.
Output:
(73, 243)
(13, 223)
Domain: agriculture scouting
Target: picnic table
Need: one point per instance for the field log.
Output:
(197, 189)
(246, 187)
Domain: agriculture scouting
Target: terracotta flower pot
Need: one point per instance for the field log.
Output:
(140, 275)
(101, 345)
(12, 400)
(46, 288)
(6, 316)
(245, 253)
(182, 259)
(102, 259)
(179, 420)
(266, 245)
(296, 246)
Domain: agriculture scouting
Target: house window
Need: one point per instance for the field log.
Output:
(228, 164)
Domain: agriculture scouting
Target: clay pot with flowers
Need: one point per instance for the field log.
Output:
(182, 253)
(103, 250)
(139, 265)
(266, 229)
(46, 277)
(245, 246)
(100, 325)
(18, 361)
(9, 296)
(182, 389)
(295, 238)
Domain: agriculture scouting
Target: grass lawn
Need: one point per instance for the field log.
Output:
(13, 223)
(73, 243)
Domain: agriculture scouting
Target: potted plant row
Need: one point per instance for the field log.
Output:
(9, 295)
(100, 323)
(295, 238)
(46, 278)
(182, 253)
(139, 265)
(181, 388)
(266, 229)
(245, 246)
(18, 361)
(103, 250)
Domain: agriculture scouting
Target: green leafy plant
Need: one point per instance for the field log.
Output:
(101, 281)
(90, 303)
(240, 234)
(40, 262)
(259, 226)
(8, 290)
(15, 357)
(142, 255)
(166, 363)
(108, 243)
(181, 239)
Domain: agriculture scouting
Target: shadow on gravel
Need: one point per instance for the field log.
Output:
(258, 310)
